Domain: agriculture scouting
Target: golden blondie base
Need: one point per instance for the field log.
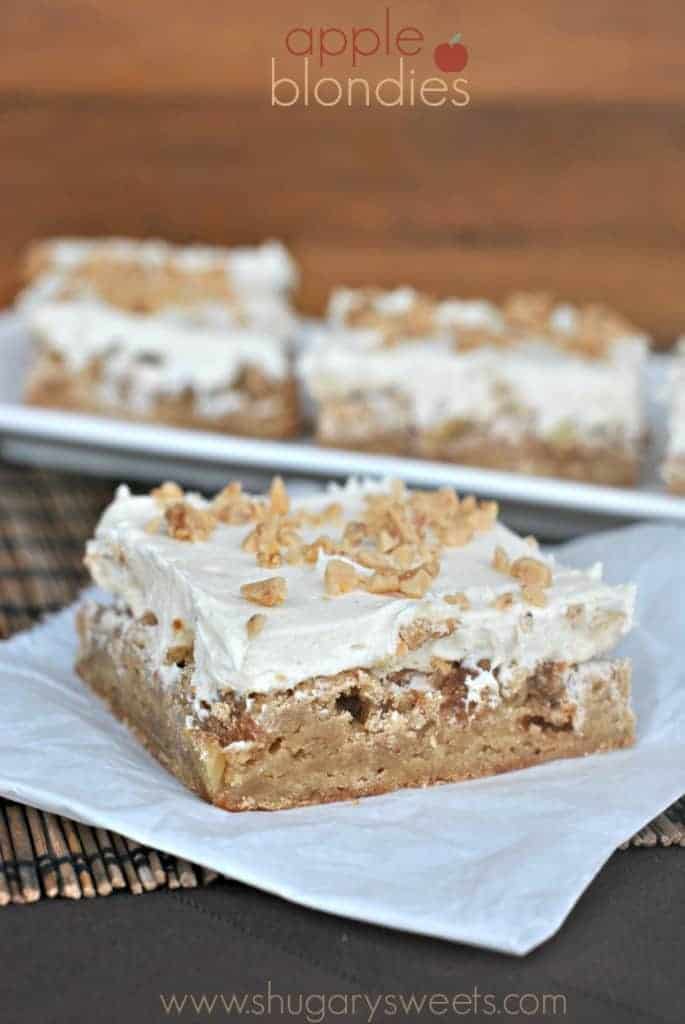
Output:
(355, 734)
(267, 408)
(599, 464)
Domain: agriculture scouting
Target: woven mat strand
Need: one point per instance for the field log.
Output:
(45, 520)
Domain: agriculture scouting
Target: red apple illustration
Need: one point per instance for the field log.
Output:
(452, 56)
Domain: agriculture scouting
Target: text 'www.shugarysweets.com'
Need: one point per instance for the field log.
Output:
(322, 52)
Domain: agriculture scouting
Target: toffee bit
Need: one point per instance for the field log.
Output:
(531, 570)
(500, 560)
(534, 594)
(187, 523)
(167, 492)
(279, 500)
(269, 592)
(255, 624)
(339, 578)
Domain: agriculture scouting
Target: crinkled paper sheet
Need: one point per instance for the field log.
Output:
(498, 863)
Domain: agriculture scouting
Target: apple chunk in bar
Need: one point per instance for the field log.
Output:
(531, 386)
(274, 653)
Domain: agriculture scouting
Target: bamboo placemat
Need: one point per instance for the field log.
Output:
(45, 520)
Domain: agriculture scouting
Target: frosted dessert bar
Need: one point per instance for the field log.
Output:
(244, 286)
(274, 653)
(531, 386)
(95, 359)
(674, 465)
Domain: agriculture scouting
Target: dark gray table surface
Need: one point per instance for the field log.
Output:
(619, 957)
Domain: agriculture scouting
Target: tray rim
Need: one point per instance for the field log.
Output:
(304, 458)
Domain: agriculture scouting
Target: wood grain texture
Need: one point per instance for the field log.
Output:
(565, 172)
(476, 201)
(614, 49)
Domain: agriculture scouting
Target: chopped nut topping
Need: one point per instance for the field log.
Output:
(264, 543)
(399, 536)
(461, 600)
(531, 570)
(484, 517)
(386, 541)
(381, 583)
(372, 559)
(403, 557)
(591, 331)
(231, 506)
(504, 601)
(278, 497)
(269, 558)
(311, 551)
(456, 535)
(325, 544)
(166, 492)
(187, 523)
(500, 560)
(268, 592)
(294, 555)
(251, 541)
(229, 494)
(432, 565)
(354, 534)
(534, 594)
(255, 624)
(340, 577)
(332, 513)
(415, 584)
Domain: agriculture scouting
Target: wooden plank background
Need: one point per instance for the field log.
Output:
(566, 171)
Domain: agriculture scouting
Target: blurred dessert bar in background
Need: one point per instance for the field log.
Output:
(209, 285)
(674, 466)
(275, 652)
(532, 386)
(95, 359)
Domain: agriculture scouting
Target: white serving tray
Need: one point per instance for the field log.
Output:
(553, 508)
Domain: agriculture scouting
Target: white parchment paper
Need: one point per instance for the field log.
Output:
(497, 863)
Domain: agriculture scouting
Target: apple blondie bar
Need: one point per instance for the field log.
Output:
(532, 386)
(274, 653)
(95, 359)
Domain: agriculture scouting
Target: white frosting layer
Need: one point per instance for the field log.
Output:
(311, 634)
(532, 387)
(146, 357)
